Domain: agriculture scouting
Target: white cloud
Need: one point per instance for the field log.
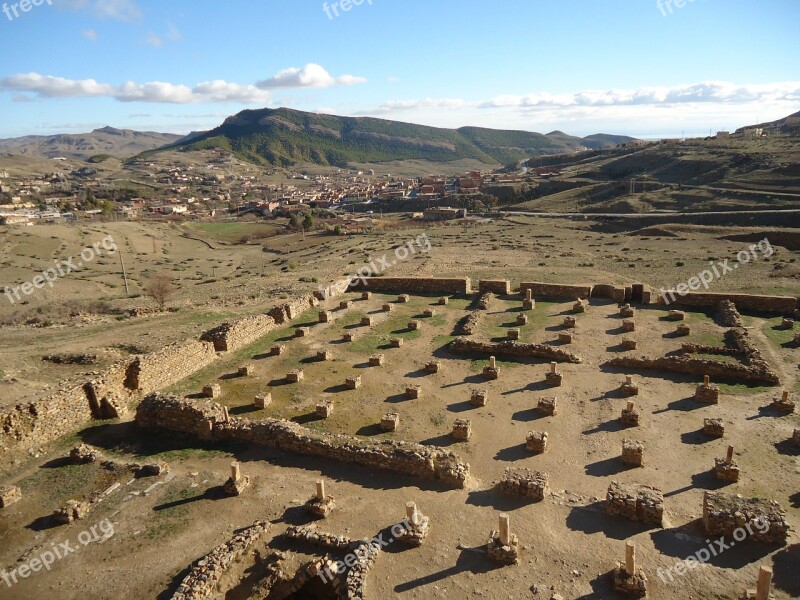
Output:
(393, 106)
(173, 33)
(119, 10)
(89, 34)
(310, 76)
(154, 40)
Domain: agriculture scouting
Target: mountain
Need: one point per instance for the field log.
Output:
(284, 136)
(120, 143)
(787, 124)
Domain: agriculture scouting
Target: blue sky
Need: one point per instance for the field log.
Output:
(637, 67)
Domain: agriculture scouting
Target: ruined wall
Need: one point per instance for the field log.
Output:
(204, 578)
(685, 364)
(496, 286)
(557, 290)
(207, 419)
(725, 513)
(288, 311)
(46, 419)
(784, 305)
(229, 337)
(414, 285)
(511, 348)
(609, 292)
(150, 372)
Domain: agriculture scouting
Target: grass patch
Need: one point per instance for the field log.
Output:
(779, 336)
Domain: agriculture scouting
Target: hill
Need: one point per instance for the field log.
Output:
(284, 137)
(120, 143)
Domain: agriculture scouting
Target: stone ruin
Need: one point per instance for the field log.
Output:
(353, 383)
(764, 520)
(387, 308)
(295, 376)
(462, 430)
(491, 371)
(345, 304)
(479, 397)
(636, 502)
(414, 325)
(348, 337)
(512, 334)
(579, 306)
(630, 416)
(367, 321)
(629, 388)
(683, 330)
(626, 312)
(205, 576)
(9, 495)
(83, 455)
(706, 392)
(553, 377)
(713, 427)
(628, 344)
(525, 482)
(503, 546)
(324, 409)
(262, 401)
(570, 322)
(484, 301)
(676, 315)
(213, 390)
(236, 484)
(74, 510)
(510, 348)
(428, 313)
(396, 342)
(278, 350)
(390, 422)
(725, 469)
(632, 453)
(444, 301)
(326, 316)
(320, 505)
(522, 319)
(628, 579)
(783, 405)
(413, 392)
(377, 360)
(403, 298)
(246, 370)
(528, 303)
(764, 585)
(302, 332)
(787, 323)
(547, 406)
(433, 366)
(565, 338)
(536, 442)
(416, 527)
(325, 355)
(366, 295)
(629, 325)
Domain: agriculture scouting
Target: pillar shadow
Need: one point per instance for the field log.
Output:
(534, 386)
(471, 560)
(612, 426)
(306, 418)
(500, 501)
(527, 415)
(460, 407)
(397, 399)
(683, 405)
(336, 389)
(602, 589)
(370, 430)
(592, 519)
(213, 493)
(513, 453)
(696, 438)
(708, 481)
(787, 447)
(441, 441)
(795, 500)
(679, 543)
(607, 467)
(786, 574)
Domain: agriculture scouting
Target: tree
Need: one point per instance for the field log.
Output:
(160, 287)
(308, 221)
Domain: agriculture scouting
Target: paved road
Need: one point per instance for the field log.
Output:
(788, 212)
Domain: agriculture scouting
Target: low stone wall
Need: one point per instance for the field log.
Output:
(609, 292)
(729, 315)
(414, 285)
(511, 348)
(557, 290)
(764, 520)
(204, 578)
(151, 372)
(468, 325)
(636, 502)
(288, 311)
(229, 337)
(686, 364)
(783, 305)
(46, 419)
(207, 419)
(495, 286)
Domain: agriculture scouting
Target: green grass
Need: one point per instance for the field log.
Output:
(778, 337)
(742, 389)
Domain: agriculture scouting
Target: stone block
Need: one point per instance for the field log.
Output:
(353, 383)
(554, 379)
(72, 511)
(536, 442)
(324, 409)
(796, 437)
(302, 332)
(320, 508)
(683, 330)
(263, 400)
(506, 554)
(396, 342)
(726, 471)
(579, 307)
(236, 487)
(634, 585)
(525, 482)
(377, 360)
(787, 323)
(783, 405)
(415, 528)
(366, 295)
(413, 392)
(528, 304)
(632, 453)
(630, 416)
(707, 393)
(324, 355)
(565, 338)
(629, 388)
(629, 325)
(325, 316)
(390, 422)
(723, 514)
(428, 313)
(462, 429)
(348, 337)
(83, 455)
(387, 308)
(9, 495)
(433, 366)
(367, 321)
(570, 322)
(676, 315)
(444, 301)
(491, 373)
(413, 325)
(522, 319)
(629, 344)
(213, 390)
(403, 299)
(278, 350)
(626, 312)
(246, 370)
(547, 406)
(345, 304)
(713, 428)
(635, 502)
(479, 397)
(295, 376)
(512, 334)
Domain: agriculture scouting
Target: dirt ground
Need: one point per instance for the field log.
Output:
(569, 545)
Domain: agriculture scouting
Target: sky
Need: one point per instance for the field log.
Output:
(646, 68)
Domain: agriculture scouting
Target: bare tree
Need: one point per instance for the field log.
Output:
(160, 287)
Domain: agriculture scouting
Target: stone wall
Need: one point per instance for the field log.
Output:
(207, 419)
(511, 348)
(686, 364)
(230, 337)
(609, 292)
(636, 502)
(414, 285)
(150, 372)
(725, 513)
(784, 305)
(496, 286)
(289, 311)
(204, 578)
(557, 290)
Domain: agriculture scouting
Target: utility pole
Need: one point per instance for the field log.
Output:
(124, 274)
